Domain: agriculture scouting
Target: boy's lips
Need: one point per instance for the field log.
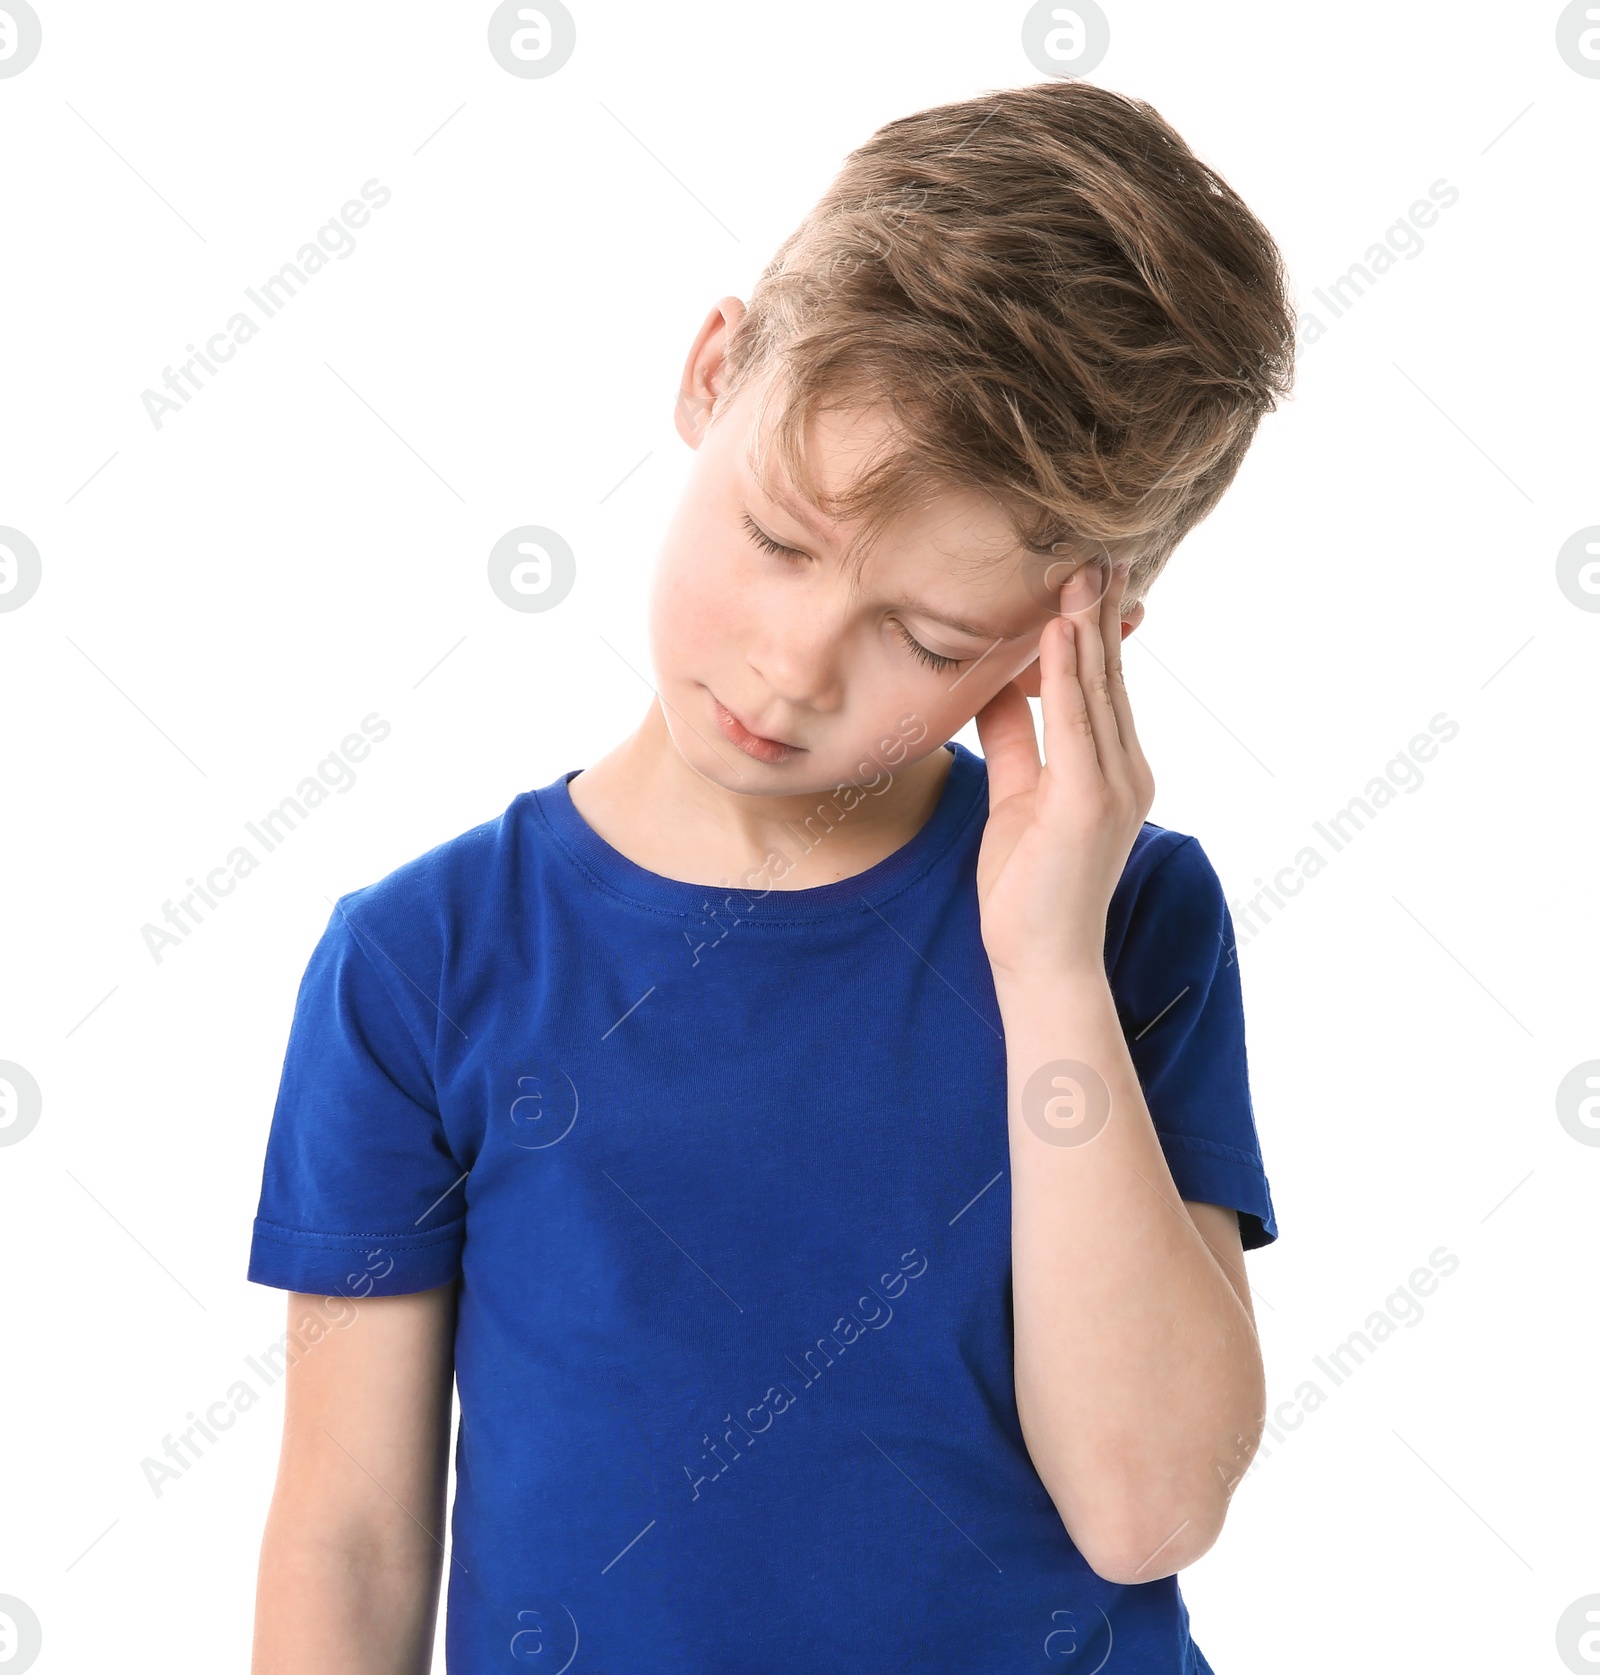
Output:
(751, 743)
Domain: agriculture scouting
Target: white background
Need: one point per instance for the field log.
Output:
(305, 543)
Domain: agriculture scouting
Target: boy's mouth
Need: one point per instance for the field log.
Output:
(752, 744)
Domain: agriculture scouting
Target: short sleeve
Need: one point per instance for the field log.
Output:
(360, 1195)
(1175, 979)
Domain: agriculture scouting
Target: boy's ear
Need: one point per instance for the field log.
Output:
(1028, 680)
(703, 370)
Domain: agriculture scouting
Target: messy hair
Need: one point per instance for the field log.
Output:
(1058, 303)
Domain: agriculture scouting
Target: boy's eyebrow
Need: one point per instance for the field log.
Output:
(791, 504)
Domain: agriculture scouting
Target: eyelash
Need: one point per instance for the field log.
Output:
(914, 646)
(917, 649)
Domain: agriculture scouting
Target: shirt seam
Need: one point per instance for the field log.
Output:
(429, 1057)
(301, 1237)
(1217, 1148)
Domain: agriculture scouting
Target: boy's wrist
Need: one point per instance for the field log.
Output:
(1059, 980)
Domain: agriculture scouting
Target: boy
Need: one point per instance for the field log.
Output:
(822, 1156)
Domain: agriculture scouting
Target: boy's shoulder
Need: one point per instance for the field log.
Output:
(1177, 856)
(1169, 902)
(459, 878)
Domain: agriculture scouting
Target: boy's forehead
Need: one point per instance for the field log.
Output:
(961, 519)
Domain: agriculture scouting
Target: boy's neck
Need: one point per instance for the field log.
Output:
(648, 803)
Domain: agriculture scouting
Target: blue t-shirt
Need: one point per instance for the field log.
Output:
(724, 1177)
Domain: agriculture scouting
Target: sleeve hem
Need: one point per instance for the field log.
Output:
(1207, 1172)
(354, 1264)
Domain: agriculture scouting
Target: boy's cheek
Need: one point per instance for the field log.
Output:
(910, 729)
(691, 592)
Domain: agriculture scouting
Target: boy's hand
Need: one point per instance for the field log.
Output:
(1059, 834)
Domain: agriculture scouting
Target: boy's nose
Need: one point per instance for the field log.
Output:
(800, 659)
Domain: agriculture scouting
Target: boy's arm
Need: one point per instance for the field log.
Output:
(349, 1574)
(1139, 1376)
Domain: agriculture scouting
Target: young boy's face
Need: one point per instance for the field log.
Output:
(855, 675)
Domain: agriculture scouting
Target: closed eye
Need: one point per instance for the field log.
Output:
(917, 649)
(762, 539)
(932, 658)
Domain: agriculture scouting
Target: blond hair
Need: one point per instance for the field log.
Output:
(1059, 303)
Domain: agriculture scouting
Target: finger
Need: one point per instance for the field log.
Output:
(1085, 587)
(1117, 687)
(1109, 650)
(1090, 670)
(1071, 753)
(1048, 587)
(1010, 745)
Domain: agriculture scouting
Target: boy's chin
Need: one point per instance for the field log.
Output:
(805, 775)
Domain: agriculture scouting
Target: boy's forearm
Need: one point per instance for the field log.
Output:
(348, 1582)
(1137, 1366)
(342, 1605)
